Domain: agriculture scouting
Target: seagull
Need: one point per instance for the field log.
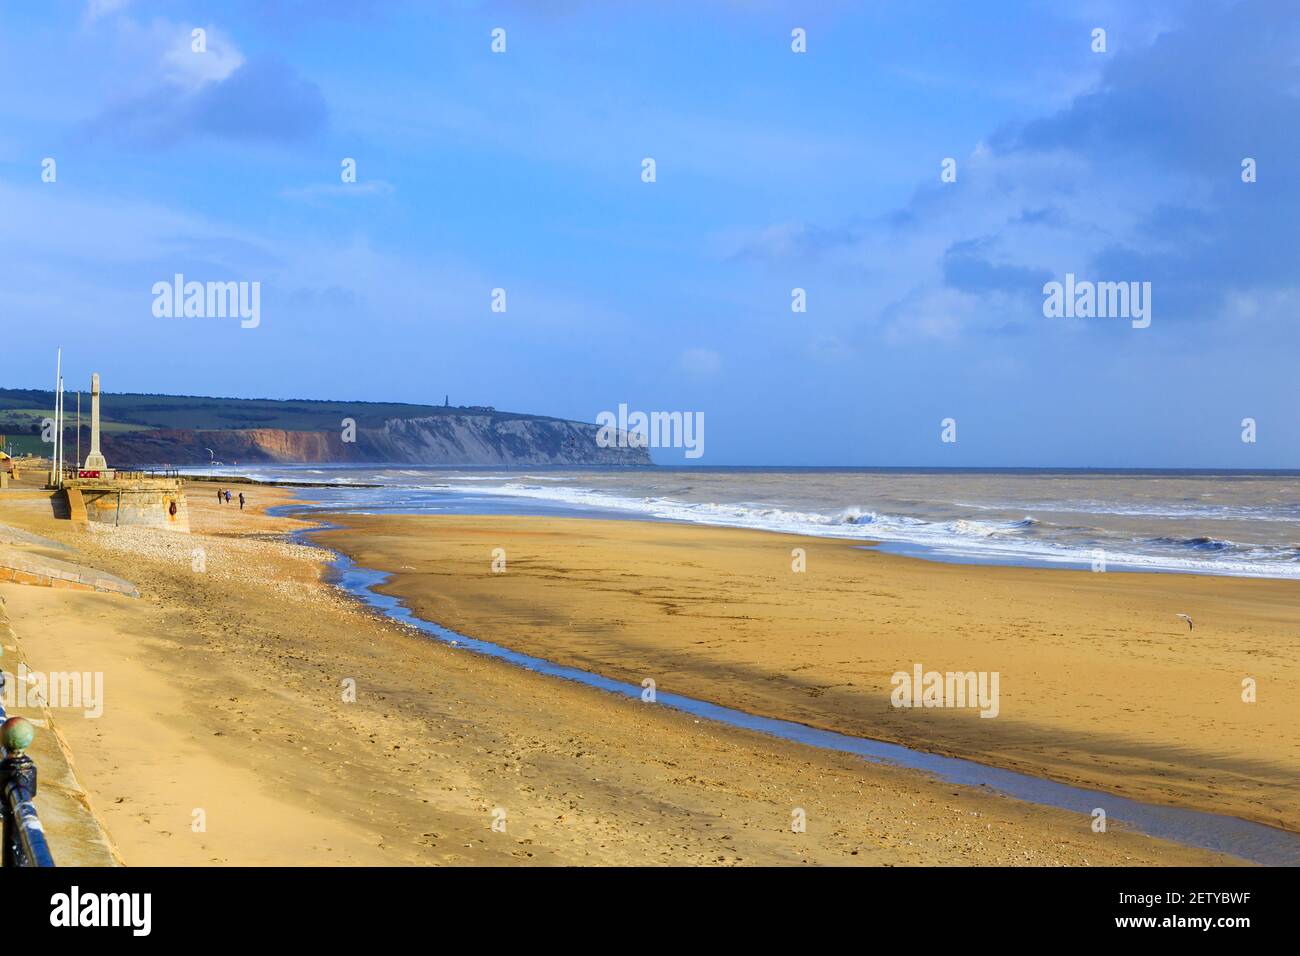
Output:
(1184, 617)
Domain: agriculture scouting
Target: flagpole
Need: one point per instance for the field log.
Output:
(61, 426)
(54, 452)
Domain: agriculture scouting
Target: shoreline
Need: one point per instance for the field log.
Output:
(222, 693)
(1249, 841)
(1160, 765)
(1202, 548)
(1217, 540)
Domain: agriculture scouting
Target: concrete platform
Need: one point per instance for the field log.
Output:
(131, 501)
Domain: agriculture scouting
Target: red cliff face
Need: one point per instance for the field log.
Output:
(184, 446)
(458, 439)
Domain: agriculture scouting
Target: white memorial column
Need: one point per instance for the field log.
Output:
(94, 461)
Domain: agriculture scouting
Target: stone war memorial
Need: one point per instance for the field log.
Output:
(98, 493)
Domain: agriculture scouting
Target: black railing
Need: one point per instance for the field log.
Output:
(24, 838)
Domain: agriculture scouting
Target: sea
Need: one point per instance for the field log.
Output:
(1244, 524)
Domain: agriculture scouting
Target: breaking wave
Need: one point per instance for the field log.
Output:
(1020, 541)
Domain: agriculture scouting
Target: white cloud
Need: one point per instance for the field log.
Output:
(184, 67)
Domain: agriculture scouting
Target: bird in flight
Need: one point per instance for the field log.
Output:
(1184, 617)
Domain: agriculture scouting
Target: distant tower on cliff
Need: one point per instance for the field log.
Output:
(446, 402)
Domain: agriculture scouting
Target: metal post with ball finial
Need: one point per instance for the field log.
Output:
(24, 838)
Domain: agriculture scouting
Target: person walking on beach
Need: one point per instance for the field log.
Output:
(227, 496)
(241, 501)
(220, 496)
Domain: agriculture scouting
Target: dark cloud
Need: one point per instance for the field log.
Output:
(1044, 216)
(967, 268)
(1176, 219)
(1189, 108)
(1222, 86)
(264, 100)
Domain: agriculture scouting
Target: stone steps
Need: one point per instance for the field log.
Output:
(77, 508)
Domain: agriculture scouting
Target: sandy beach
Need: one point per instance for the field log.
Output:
(1102, 685)
(224, 693)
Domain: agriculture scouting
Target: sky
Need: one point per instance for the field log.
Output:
(774, 170)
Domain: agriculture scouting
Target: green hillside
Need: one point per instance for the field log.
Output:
(21, 411)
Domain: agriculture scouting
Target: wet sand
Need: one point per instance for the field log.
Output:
(1101, 684)
(224, 693)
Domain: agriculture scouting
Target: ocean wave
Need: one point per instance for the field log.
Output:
(497, 477)
(1198, 543)
(1289, 513)
(1014, 541)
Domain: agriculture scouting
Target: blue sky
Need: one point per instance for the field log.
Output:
(775, 170)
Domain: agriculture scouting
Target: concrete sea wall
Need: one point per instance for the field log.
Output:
(142, 503)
